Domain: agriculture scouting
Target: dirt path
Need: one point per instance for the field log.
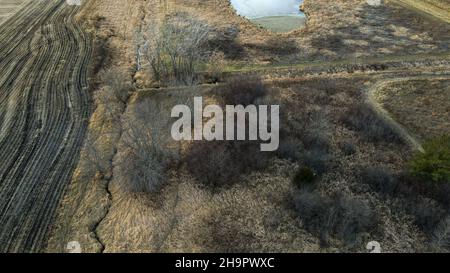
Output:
(351, 65)
(435, 8)
(44, 108)
(398, 128)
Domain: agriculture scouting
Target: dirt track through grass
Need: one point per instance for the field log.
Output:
(350, 64)
(437, 8)
(44, 107)
(398, 128)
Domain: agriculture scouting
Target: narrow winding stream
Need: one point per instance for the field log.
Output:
(275, 15)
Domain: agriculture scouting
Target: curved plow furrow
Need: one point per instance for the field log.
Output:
(44, 105)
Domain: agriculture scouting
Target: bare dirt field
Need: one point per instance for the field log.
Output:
(9, 7)
(44, 109)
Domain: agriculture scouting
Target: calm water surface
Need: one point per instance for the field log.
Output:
(266, 8)
(276, 15)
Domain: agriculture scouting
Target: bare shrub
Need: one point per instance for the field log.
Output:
(441, 193)
(305, 137)
(427, 213)
(311, 208)
(331, 42)
(410, 189)
(94, 156)
(243, 90)
(216, 67)
(226, 41)
(147, 162)
(441, 235)
(148, 157)
(353, 218)
(426, 203)
(212, 164)
(317, 144)
(231, 236)
(279, 46)
(290, 148)
(118, 82)
(101, 51)
(317, 160)
(108, 106)
(347, 148)
(380, 180)
(363, 119)
(343, 217)
(220, 163)
(413, 187)
(316, 141)
(175, 49)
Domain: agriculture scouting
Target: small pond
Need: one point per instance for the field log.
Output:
(275, 15)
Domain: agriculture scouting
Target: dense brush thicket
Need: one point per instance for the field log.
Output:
(175, 49)
(243, 90)
(220, 163)
(428, 203)
(339, 216)
(363, 119)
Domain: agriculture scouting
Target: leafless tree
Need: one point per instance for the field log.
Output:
(141, 45)
(342, 217)
(119, 83)
(174, 48)
(146, 165)
(94, 156)
(149, 155)
(441, 235)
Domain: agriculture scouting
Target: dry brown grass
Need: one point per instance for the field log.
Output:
(254, 213)
(335, 30)
(421, 105)
(436, 8)
(87, 201)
